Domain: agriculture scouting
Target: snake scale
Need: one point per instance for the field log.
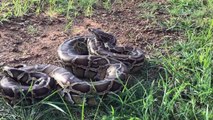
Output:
(93, 65)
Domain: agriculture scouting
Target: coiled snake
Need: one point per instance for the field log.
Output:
(93, 65)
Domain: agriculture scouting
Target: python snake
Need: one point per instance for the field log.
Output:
(93, 66)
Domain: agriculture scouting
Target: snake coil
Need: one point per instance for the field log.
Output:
(93, 65)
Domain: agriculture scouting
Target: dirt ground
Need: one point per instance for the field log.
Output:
(34, 39)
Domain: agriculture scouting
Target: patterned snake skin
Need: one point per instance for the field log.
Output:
(93, 66)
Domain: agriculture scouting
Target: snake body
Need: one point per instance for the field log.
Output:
(12, 90)
(94, 65)
(105, 45)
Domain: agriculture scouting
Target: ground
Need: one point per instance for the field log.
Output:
(175, 35)
(34, 39)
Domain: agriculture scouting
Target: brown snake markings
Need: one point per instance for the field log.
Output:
(94, 65)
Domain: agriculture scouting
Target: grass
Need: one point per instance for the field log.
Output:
(70, 8)
(181, 89)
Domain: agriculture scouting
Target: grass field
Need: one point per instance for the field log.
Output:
(183, 88)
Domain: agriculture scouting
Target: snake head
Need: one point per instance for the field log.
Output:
(13, 71)
(103, 36)
(20, 66)
(16, 73)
